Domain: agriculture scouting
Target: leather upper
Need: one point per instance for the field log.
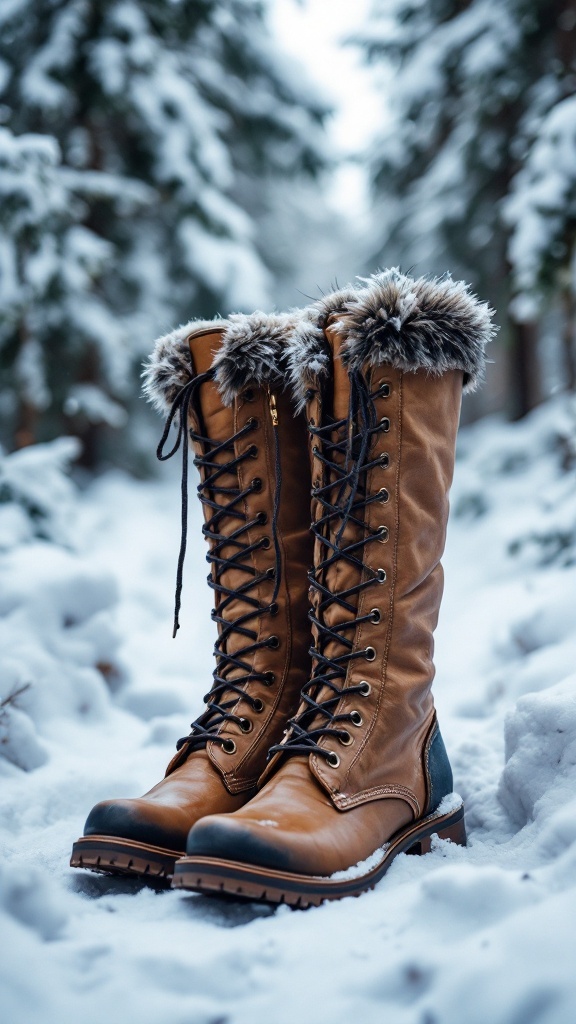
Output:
(211, 780)
(309, 817)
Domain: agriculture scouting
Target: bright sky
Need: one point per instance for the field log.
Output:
(313, 31)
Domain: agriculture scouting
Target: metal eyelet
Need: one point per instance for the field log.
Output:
(383, 495)
(253, 422)
(258, 705)
(332, 759)
(345, 738)
(381, 575)
(370, 654)
(376, 615)
(273, 642)
(385, 424)
(365, 688)
(383, 533)
(273, 609)
(229, 747)
(384, 460)
(383, 391)
(315, 449)
(270, 573)
(312, 421)
(261, 518)
(356, 719)
(269, 679)
(246, 725)
(248, 395)
(252, 452)
(256, 484)
(265, 543)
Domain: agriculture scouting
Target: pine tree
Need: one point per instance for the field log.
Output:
(159, 109)
(473, 85)
(541, 212)
(52, 315)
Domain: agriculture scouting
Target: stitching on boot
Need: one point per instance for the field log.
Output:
(434, 729)
(375, 793)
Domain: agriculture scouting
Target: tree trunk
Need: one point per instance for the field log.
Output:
(569, 337)
(26, 424)
(525, 391)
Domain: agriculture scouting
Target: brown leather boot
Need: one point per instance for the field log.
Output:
(250, 454)
(362, 774)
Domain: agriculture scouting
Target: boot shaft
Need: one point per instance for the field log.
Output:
(254, 487)
(381, 374)
(396, 532)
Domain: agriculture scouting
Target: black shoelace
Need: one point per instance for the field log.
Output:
(226, 692)
(345, 455)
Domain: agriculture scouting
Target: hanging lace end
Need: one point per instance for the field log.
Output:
(181, 406)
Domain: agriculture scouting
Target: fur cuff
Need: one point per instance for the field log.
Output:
(253, 350)
(308, 359)
(169, 366)
(433, 324)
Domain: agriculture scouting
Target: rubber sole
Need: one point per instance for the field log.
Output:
(112, 855)
(212, 875)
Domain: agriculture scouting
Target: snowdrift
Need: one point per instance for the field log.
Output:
(94, 693)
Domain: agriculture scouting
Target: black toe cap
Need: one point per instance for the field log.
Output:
(231, 841)
(127, 819)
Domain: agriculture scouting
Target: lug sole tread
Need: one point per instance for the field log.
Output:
(111, 855)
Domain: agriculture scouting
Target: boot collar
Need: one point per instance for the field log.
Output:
(253, 350)
(435, 324)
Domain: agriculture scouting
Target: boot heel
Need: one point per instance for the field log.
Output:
(456, 833)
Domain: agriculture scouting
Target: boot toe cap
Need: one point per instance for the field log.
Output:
(229, 840)
(132, 819)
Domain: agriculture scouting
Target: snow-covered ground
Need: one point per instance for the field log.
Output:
(94, 693)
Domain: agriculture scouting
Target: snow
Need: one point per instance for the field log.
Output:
(362, 867)
(483, 933)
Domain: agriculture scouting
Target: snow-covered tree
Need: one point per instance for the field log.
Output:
(541, 212)
(473, 86)
(152, 113)
(54, 321)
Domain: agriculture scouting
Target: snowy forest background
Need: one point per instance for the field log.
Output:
(163, 159)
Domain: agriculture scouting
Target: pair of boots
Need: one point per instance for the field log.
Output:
(317, 758)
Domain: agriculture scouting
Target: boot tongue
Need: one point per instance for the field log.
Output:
(218, 420)
(340, 576)
(341, 396)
